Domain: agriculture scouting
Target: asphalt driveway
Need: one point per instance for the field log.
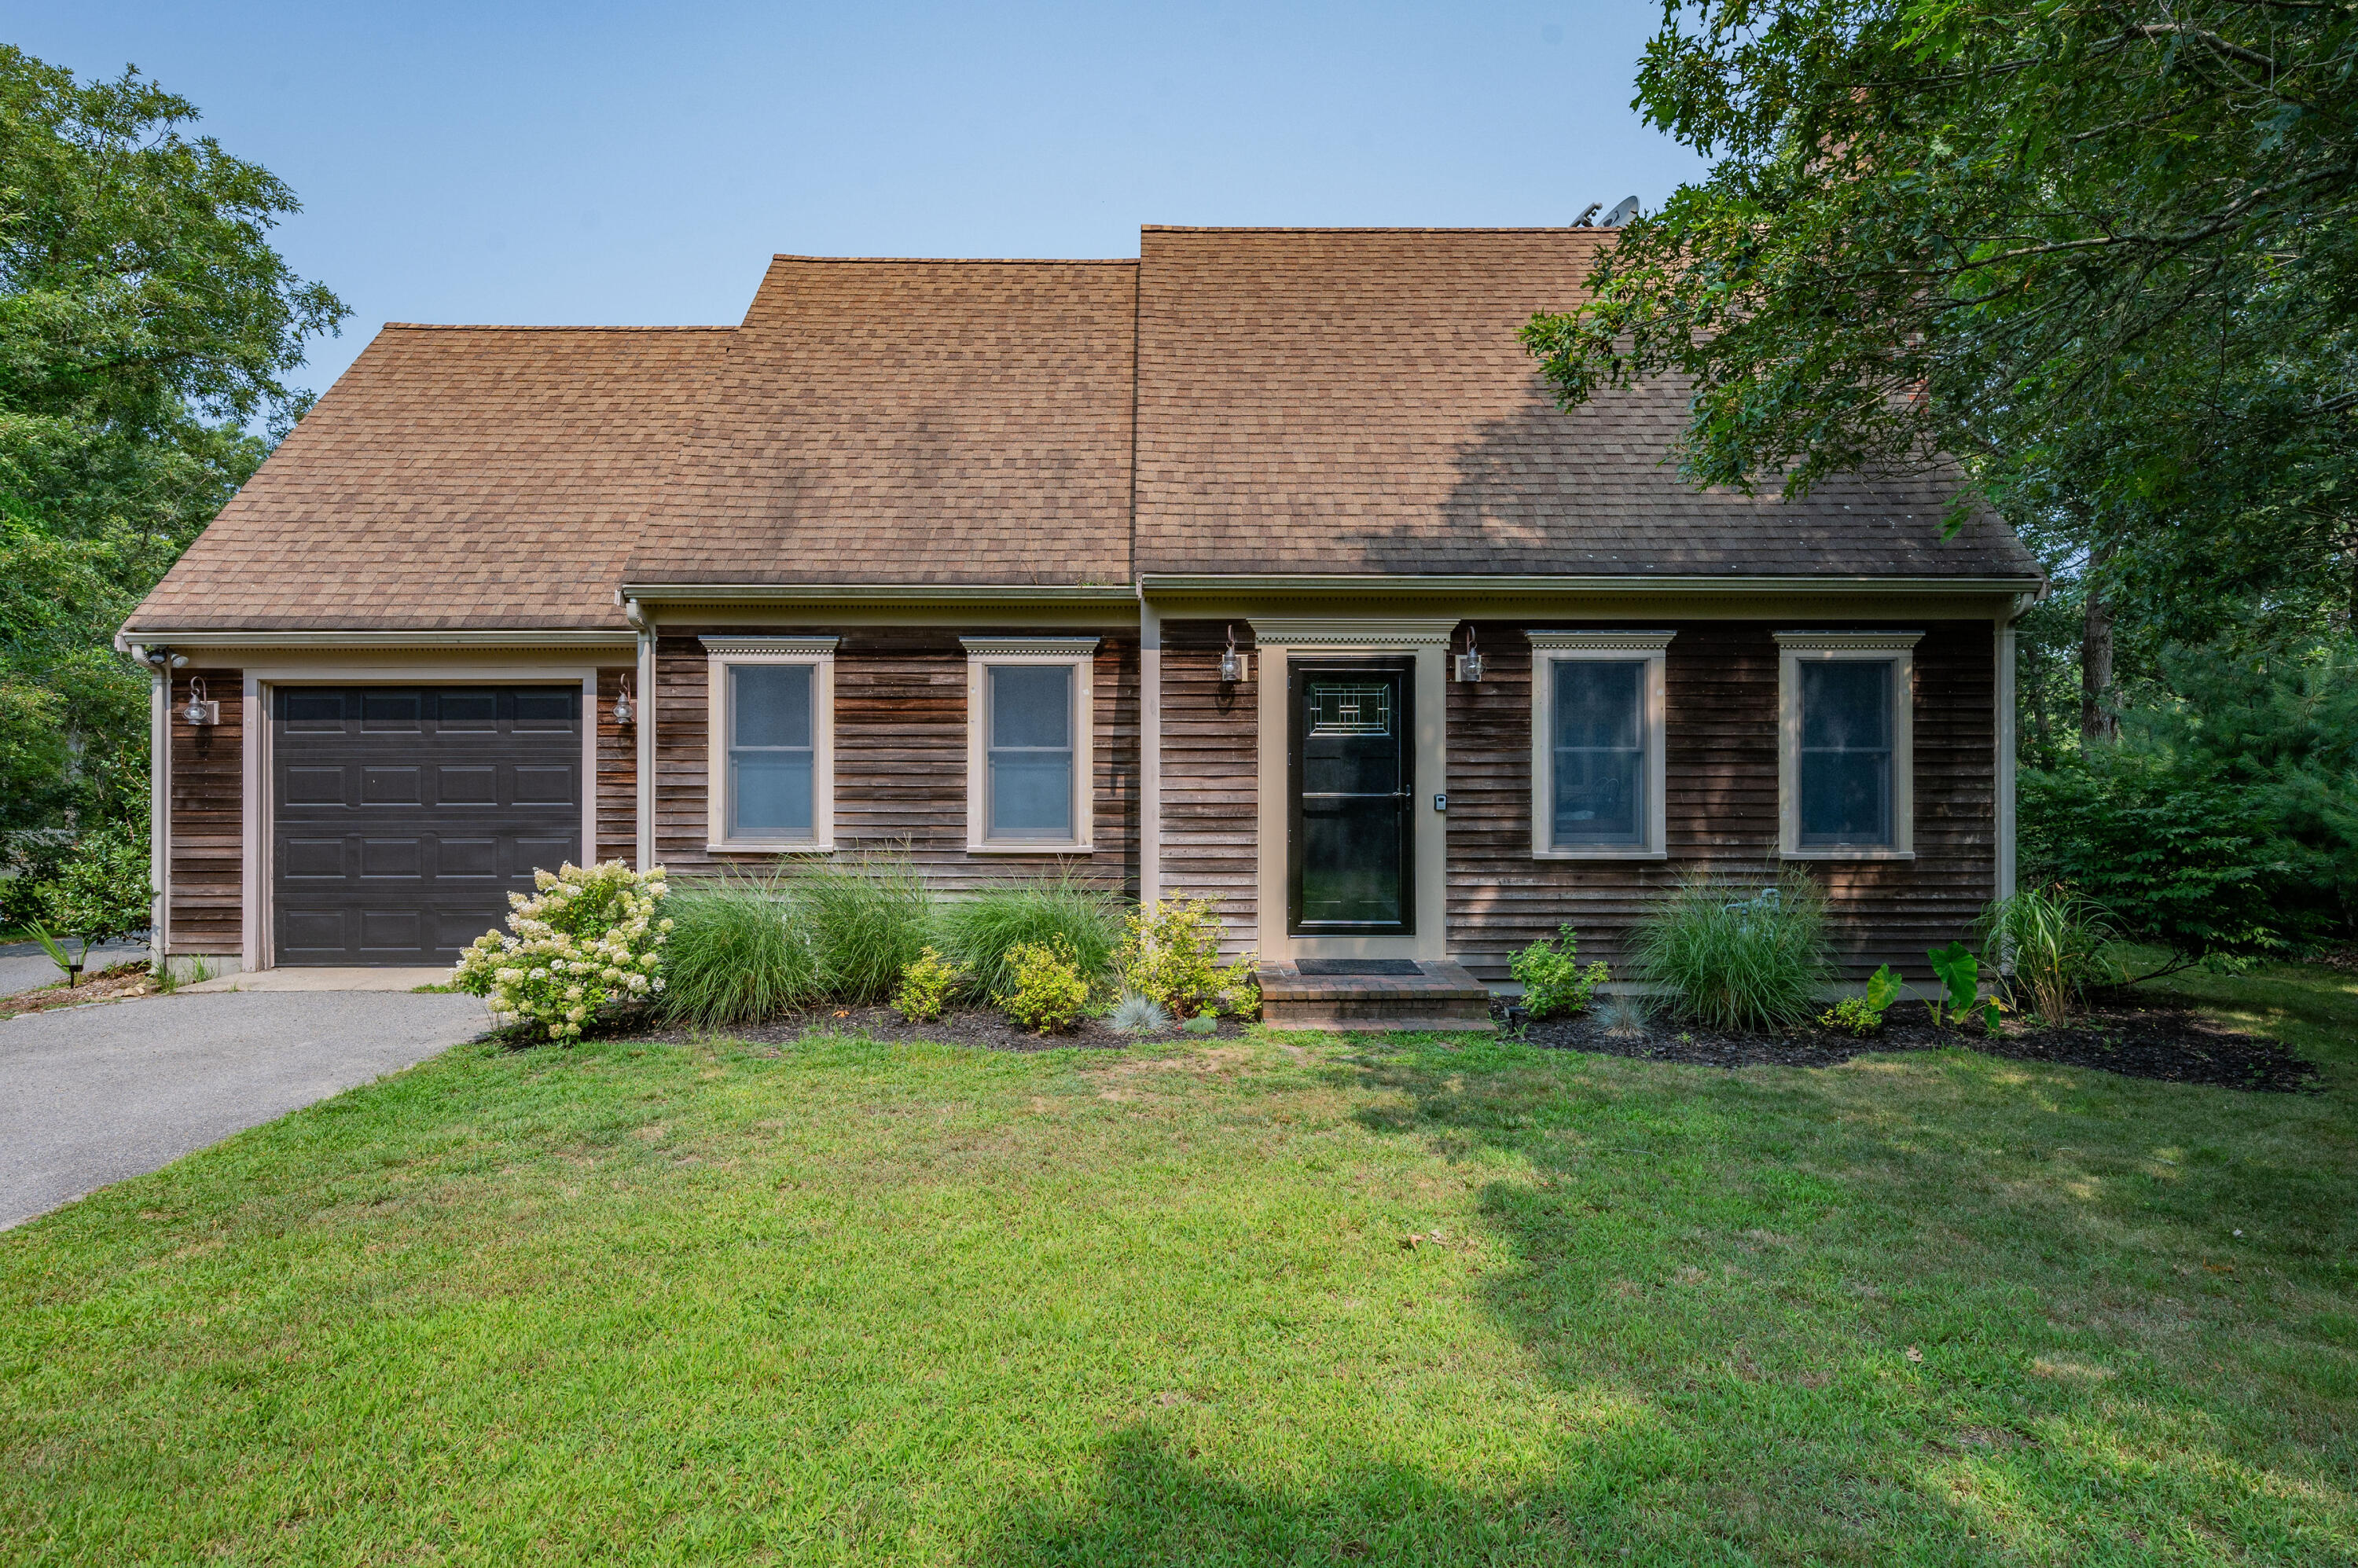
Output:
(25, 964)
(93, 1095)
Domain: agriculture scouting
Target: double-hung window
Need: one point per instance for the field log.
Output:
(1596, 744)
(770, 718)
(1028, 745)
(1846, 755)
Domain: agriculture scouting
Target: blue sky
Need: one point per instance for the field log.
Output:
(640, 163)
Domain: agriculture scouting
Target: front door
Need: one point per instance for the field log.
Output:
(1350, 831)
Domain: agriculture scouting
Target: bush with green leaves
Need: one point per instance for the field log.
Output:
(927, 987)
(1046, 990)
(588, 937)
(1738, 956)
(739, 952)
(869, 918)
(1171, 954)
(1862, 1015)
(1555, 984)
(1958, 969)
(2056, 945)
(979, 930)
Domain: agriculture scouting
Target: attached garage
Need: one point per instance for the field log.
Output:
(402, 816)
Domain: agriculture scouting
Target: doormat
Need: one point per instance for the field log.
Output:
(1406, 967)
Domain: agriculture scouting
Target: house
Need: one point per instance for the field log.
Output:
(1261, 568)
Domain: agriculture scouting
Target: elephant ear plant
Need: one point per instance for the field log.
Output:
(1960, 976)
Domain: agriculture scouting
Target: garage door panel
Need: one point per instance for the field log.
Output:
(406, 816)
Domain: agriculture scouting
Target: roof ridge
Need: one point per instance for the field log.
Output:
(961, 261)
(1372, 229)
(540, 327)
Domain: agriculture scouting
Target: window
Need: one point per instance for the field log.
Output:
(1846, 755)
(771, 748)
(1028, 743)
(1596, 744)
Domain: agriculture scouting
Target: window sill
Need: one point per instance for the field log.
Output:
(1030, 846)
(772, 847)
(1847, 854)
(1600, 855)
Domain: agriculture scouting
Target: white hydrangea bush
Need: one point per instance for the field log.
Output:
(590, 937)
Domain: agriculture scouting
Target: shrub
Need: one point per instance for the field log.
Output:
(1173, 955)
(1734, 958)
(591, 936)
(100, 892)
(1045, 989)
(1625, 1016)
(978, 932)
(739, 952)
(2055, 942)
(927, 987)
(1863, 1015)
(1554, 982)
(1136, 1014)
(869, 918)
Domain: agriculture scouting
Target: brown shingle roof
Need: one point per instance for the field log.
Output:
(1356, 401)
(453, 477)
(913, 422)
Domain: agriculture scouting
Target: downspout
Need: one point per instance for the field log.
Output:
(1149, 750)
(159, 814)
(2003, 701)
(642, 619)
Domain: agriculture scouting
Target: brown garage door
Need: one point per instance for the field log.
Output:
(405, 815)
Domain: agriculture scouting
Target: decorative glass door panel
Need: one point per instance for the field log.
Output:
(1352, 764)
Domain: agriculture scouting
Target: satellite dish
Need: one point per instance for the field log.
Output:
(1587, 215)
(1624, 210)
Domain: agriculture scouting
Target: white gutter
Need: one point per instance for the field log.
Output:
(643, 805)
(565, 637)
(1256, 582)
(1150, 751)
(876, 593)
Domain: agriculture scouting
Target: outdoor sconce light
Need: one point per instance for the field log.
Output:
(163, 658)
(1469, 663)
(624, 712)
(1232, 664)
(199, 709)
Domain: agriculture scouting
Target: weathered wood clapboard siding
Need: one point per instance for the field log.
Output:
(207, 835)
(1211, 785)
(1720, 756)
(900, 756)
(618, 774)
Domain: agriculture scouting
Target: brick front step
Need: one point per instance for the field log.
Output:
(1440, 996)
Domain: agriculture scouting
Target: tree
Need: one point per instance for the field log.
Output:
(2101, 253)
(146, 327)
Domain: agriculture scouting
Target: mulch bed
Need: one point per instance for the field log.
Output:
(120, 983)
(967, 1026)
(2163, 1043)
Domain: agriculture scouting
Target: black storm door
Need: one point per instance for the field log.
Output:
(1351, 757)
(404, 816)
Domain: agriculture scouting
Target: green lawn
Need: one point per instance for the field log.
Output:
(852, 1302)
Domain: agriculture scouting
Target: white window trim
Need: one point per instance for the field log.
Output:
(1080, 655)
(1899, 649)
(1552, 648)
(722, 653)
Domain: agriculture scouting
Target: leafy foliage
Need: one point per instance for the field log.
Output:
(1554, 985)
(588, 937)
(1863, 1015)
(1736, 958)
(979, 930)
(1046, 990)
(1173, 953)
(739, 953)
(927, 987)
(1959, 973)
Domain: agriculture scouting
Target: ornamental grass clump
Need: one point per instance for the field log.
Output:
(1173, 955)
(869, 919)
(979, 931)
(1737, 957)
(2055, 944)
(739, 953)
(590, 937)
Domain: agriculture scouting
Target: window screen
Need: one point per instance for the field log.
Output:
(1030, 746)
(769, 751)
(1599, 752)
(1846, 753)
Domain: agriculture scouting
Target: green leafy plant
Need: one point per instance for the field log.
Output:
(927, 987)
(101, 894)
(1730, 956)
(1555, 984)
(1863, 1015)
(869, 918)
(588, 937)
(979, 930)
(1045, 989)
(1173, 953)
(1959, 973)
(739, 952)
(2055, 943)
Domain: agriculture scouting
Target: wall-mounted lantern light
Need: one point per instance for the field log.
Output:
(1233, 665)
(624, 712)
(1469, 663)
(199, 709)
